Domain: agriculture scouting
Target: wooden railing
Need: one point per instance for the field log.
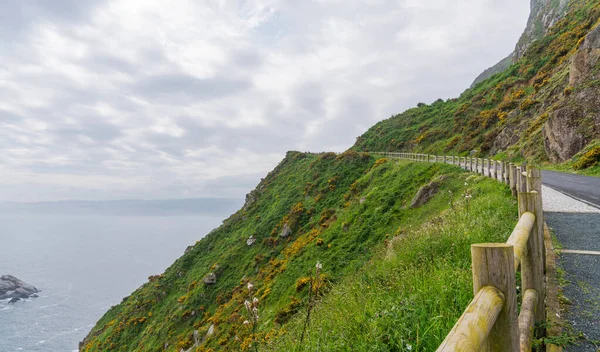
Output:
(491, 321)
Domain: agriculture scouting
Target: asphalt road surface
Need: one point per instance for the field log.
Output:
(585, 188)
(577, 228)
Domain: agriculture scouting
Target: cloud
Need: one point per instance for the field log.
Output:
(142, 99)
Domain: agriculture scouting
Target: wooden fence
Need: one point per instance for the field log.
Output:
(491, 322)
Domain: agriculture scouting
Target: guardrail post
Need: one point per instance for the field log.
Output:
(512, 174)
(519, 179)
(532, 263)
(493, 265)
(486, 167)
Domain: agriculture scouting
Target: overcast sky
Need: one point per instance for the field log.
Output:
(185, 98)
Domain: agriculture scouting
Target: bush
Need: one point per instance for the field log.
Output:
(589, 159)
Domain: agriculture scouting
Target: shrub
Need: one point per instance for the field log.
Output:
(301, 283)
(589, 159)
(285, 313)
(526, 104)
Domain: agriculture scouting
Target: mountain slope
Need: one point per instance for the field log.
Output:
(544, 107)
(341, 211)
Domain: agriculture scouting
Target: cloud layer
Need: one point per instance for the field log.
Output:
(153, 99)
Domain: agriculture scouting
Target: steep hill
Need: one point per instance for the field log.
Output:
(544, 107)
(339, 210)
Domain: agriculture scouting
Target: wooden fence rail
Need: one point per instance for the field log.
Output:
(491, 321)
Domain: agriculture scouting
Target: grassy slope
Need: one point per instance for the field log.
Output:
(413, 291)
(320, 197)
(519, 99)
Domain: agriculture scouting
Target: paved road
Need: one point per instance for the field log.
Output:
(586, 188)
(577, 227)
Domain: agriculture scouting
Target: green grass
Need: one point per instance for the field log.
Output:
(348, 212)
(413, 291)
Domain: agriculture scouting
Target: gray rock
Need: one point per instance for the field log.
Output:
(210, 279)
(286, 231)
(505, 139)
(425, 193)
(251, 198)
(13, 300)
(570, 128)
(586, 57)
(544, 14)
(11, 287)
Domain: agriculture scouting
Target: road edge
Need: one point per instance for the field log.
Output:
(552, 305)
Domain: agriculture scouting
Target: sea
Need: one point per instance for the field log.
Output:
(86, 262)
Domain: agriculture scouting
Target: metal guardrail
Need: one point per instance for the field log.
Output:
(491, 321)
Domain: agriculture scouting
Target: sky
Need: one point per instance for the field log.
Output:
(148, 99)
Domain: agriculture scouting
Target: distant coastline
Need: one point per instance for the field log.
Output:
(128, 207)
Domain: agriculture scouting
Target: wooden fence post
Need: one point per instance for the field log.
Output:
(519, 178)
(532, 264)
(512, 174)
(493, 265)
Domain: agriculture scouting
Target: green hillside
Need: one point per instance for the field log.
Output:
(543, 108)
(342, 210)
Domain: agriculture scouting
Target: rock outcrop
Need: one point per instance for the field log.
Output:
(15, 289)
(210, 279)
(544, 14)
(571, 127)
(425, 193)
(586, 58)
(286, 231)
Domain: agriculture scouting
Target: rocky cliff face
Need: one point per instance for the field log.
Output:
(576, 122)
(544, 14)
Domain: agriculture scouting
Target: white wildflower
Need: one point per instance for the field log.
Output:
(247, 304)
(246, 322)
(409, 347)
(319, 266)
(250, 287)
(255, 300)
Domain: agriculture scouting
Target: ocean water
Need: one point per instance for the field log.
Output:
(83, 264)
